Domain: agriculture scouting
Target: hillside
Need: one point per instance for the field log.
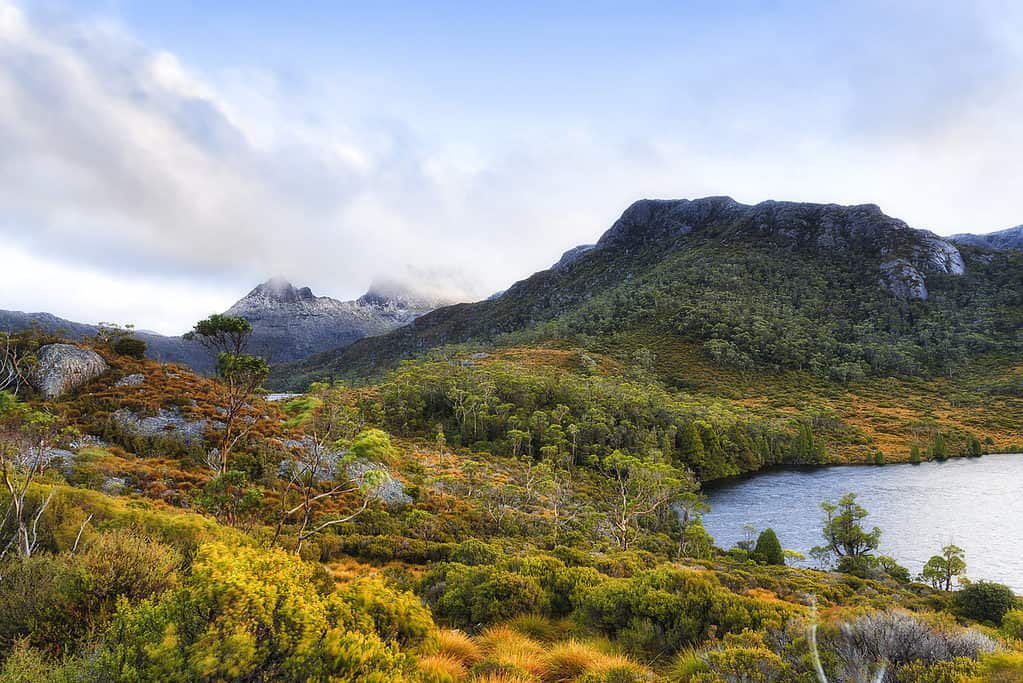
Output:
(507, 536)
(841, 292)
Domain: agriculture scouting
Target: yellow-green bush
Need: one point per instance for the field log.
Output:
(250, 614)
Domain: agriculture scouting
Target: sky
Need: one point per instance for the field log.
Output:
(159, 159)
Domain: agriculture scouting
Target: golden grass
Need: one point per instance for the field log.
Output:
(443, 668)
(503, 678)
(505, 646)
(455, 644)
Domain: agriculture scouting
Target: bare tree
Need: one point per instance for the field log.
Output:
(12, 374)
(26, 437)
(315, 470)
(639, 488)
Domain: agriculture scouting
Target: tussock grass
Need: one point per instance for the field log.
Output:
(457, 645)
(442, 668)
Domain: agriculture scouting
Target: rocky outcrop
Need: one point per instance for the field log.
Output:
(572, 255)
(63, 367)
(168, 422)
(133, 380)
(386, 489)
(860, 234)
(903, 280)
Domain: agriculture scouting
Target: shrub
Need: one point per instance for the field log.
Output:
(984, 601)
(474, 553)
(467, 596)
(250, 614)
(948, 671)
(664, 610)
(1012, 624)
(768, 549)
(398, 617)
(130, 346)
(59, 601)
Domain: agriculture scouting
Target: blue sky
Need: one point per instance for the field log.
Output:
(157, 159)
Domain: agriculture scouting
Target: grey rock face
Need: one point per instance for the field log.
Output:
(1003, 239)
(290, 324)
(132, 380)
(166, 422)
(903, 280)
(63, 367)
(390, 491)
(572, 255)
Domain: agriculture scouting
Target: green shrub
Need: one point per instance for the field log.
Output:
(663, 610)
(984, 601)
(465, 597)
(58, 601)
(954, 670)
(130, 346)
(475, 552)
(768, 549)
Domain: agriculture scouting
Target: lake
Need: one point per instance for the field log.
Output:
(975, 503)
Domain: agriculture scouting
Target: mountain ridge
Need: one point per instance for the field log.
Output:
(1010, 238)
(837, 250)
(289, 323)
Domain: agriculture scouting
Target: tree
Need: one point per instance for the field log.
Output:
(26, 437)
(640, 488)
(693, 539)
(242, 374)
(690, 447)
(941, 569)
(939, 451)
(842, 531)
(768, 549)
(12, 361)
(222, 334)
(317, 469)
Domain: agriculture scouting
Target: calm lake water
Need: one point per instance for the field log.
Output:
(976, 503)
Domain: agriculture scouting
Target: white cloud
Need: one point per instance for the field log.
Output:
(158, 180)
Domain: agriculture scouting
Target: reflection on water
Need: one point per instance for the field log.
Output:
(975, 503)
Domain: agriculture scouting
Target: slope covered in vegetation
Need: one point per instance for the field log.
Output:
(524, 515)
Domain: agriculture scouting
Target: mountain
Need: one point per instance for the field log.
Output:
(158, 347)
(840, 291)
(288, 323)
(1011, 238)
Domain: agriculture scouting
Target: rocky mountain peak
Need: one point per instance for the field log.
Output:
(396, 296)
(280, 290)
(861, 234)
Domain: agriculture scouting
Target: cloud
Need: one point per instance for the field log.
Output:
(127, 164)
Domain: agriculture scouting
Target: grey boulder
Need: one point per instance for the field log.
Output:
(62, 368)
